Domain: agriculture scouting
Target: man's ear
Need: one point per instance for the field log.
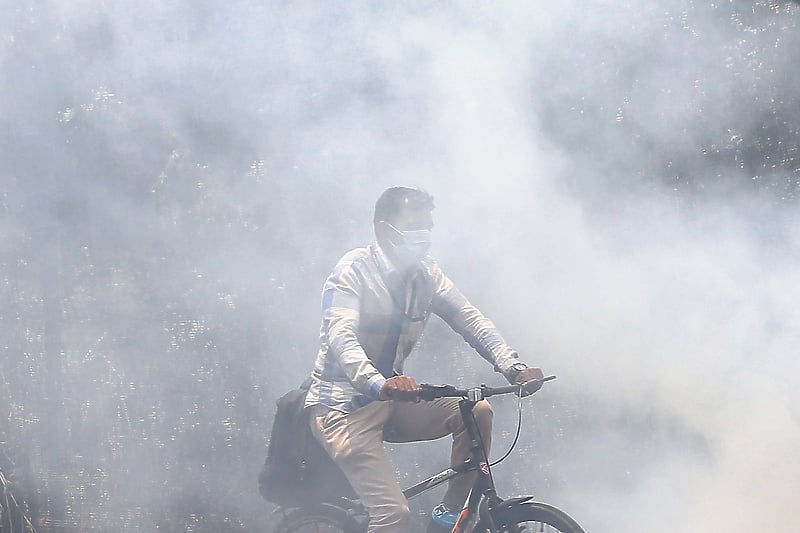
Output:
(385, 233)
(380, 231)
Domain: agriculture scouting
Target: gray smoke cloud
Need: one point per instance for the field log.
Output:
(616, 186)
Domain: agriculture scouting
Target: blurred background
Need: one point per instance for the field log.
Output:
(617, 187)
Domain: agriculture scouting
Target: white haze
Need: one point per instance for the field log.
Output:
(669, 314)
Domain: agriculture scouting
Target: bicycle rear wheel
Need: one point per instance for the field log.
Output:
(319, 519)
(532, 517)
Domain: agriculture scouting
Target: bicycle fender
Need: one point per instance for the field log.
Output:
(487, 513)
(505, 504)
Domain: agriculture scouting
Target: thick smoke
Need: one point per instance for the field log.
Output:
(616, 186)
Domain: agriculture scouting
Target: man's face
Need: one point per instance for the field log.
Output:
(388, 232)
(390, 235)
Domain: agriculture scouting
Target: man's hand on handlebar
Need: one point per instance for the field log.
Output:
(529, 374)
(401, 388)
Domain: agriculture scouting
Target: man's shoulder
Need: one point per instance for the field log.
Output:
(356, 255)
(435, 277)
(355, 259)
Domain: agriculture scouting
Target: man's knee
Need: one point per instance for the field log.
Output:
(483, 414)
(393, 517)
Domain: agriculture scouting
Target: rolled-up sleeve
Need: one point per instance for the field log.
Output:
(479, 332)
(341, 313)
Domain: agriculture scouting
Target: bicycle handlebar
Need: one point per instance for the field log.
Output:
(430, 392)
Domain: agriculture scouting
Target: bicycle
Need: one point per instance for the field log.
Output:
(484, 511)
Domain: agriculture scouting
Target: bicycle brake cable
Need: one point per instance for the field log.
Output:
(519, 428)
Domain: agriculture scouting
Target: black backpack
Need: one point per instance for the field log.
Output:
(298, 472)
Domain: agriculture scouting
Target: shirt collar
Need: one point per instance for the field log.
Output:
(384, 263)
(388, 269)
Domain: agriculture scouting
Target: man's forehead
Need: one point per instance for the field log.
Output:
(419, 218)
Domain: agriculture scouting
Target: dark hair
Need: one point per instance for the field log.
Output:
(395, 199)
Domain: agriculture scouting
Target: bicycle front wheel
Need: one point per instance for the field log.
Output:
(321, 519)
(532, 517)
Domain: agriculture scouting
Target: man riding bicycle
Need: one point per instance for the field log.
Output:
(375, 305)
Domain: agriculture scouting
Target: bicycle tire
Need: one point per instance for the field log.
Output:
(319, 519)
(522, 516)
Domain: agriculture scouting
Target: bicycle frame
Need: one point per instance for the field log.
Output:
(482, 503)
(484, 483)
(483, 497)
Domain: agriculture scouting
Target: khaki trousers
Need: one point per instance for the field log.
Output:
(355, 442)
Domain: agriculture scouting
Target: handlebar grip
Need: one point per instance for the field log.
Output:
(534, 385)
(531, 386)
(431, 392)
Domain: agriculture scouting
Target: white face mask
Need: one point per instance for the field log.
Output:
(414, 247)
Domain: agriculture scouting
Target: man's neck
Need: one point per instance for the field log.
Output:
(390, 267)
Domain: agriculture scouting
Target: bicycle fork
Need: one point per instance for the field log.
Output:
(482, 497)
